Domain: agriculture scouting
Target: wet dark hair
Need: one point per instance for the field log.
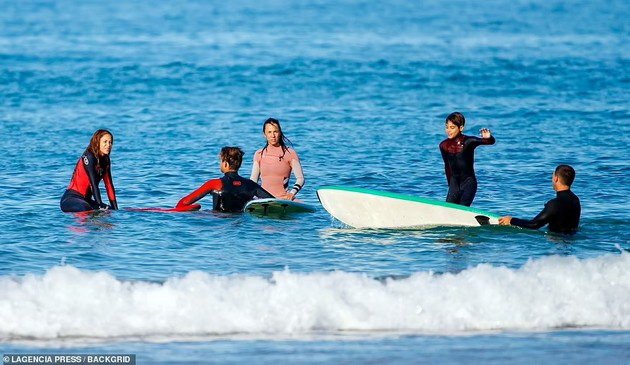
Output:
(566, 174)
(456, 118)
(283, 140)
(233, 156)
(95, 142)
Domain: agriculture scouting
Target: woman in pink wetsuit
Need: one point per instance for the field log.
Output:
(274, 162)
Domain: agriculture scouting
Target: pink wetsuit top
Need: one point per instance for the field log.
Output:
(275, 169)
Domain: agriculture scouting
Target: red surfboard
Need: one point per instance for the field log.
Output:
(186, 208)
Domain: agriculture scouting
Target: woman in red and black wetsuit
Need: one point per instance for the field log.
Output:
(458, 153)
(83, 193)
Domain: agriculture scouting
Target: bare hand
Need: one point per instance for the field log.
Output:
(505, 221)
(485, 133)
(290, 196)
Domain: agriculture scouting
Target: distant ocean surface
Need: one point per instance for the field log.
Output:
(362, 89)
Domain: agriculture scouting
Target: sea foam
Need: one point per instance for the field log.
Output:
(548, 293)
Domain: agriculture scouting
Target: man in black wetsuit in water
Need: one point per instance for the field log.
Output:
(231, 192)
(561, 213)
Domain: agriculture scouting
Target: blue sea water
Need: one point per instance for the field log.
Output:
(362, 89)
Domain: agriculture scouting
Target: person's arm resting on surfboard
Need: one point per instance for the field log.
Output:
(205, 189)
(540, 220)
(109, 185)
(299, 178)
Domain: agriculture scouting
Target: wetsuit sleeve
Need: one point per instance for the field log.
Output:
(255, 169)
(447, 167)
(109, 185)
(540, 220)
(89, 164)
(476, 141)
(299, 176)
(205, 189)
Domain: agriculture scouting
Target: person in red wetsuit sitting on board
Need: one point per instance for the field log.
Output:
(231, 192)
(83, 193)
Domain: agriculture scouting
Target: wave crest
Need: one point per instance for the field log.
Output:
(553, 292)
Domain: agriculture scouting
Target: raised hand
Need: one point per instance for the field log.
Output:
(485, 133)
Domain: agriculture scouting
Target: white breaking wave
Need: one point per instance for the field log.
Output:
(553, 292)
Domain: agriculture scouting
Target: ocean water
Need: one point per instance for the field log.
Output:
(362, 89)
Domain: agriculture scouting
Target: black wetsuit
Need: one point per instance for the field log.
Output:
(561, 213)
(459, 159)
(230, 193)
(83, 193)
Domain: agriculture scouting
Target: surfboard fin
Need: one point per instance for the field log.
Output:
(482, 220)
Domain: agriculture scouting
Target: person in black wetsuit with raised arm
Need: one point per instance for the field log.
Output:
(231, 192)
(83, 193)
(561, 213)
(458, 153)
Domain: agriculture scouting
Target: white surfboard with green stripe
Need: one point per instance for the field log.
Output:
(363, 208)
